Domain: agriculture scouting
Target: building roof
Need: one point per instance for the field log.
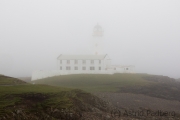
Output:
(81, 57)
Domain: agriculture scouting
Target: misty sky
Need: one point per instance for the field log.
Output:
(144, 33)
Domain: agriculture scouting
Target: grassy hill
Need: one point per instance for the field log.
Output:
(19, 100)
(5, 80)
(58, 97)
(163, 87)
(43, 102)
(25, 79)
(151, 85)
(96, 82)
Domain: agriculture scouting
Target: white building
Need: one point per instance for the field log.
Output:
(95, 63)
(83, 63)
(77, 64)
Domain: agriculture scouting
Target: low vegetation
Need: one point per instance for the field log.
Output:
(151, 85)
(60, 97)
(5, 80)
(96, 82)
(44, 102)
(163, 87)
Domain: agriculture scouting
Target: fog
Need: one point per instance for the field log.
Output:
(142, 33)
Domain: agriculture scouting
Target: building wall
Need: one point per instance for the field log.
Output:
(62, 65)
(123, 69)
(106, 68)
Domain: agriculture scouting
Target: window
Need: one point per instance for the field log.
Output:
(60, 61)
(68, 68)
(76, 62)
(68, 61)
(61, 68)
(99, 68)
(99, 61)
(84, 68)
(84, 61)
(91, 68)
(75, 68)
(92, 61)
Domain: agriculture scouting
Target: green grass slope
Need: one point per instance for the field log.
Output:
(40, 101)
(150, 85)
(96, 82)
(11, 95)
(164, 87)
(44, 102)
(20, 100)
(5, 80)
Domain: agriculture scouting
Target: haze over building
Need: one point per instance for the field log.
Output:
(96, 63)
(141, 33)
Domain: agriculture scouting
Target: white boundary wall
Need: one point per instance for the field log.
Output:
(39, 74)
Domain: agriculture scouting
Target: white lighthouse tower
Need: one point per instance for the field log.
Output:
(97, 40)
